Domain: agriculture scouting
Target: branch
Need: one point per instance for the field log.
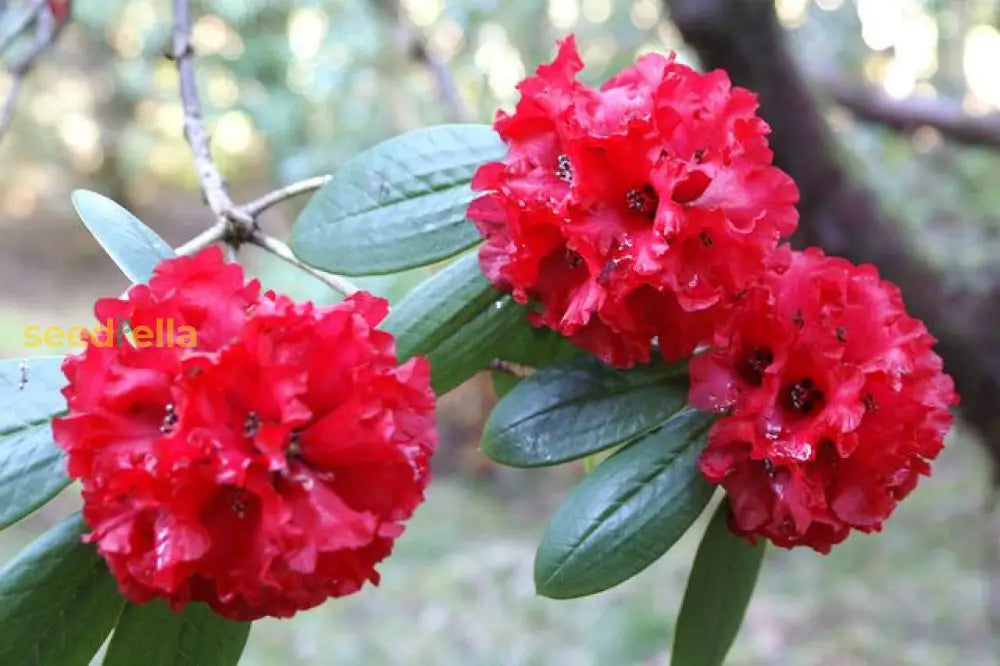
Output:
(282, 251)
(510, 368)
(415, 44)
(46, 31)
(907, 115)
(259, 205)
(213, 186)
(213, 234)
(23, 21)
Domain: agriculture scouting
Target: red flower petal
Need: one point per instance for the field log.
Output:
(833, 402)
(264, 470)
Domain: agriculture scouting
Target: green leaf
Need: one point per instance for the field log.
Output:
(131, 244)
(718, 591)
(473, 346)
(439, 306)
(153, 635)
(31, 465)
(398, 205)
(530, 346)
(570, 410)
(627, 512)
(456, 319)
(57, 601)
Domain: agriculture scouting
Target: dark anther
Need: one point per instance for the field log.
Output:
(564, 170)
(798, 319)
(294, 449)
(769, 467)
(803, 395)
(643, 200)
(251, 426)
(841, 334)
(757, 363)
(169, 419)
(239, 503)
(870, 404)
(699, 155)
(705, 239)
(573, 259)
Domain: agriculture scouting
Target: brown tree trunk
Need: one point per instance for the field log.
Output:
(744, 38)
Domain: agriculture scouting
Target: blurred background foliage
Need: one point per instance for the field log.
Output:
(291, 89)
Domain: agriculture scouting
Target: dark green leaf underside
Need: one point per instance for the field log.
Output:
(718, 592)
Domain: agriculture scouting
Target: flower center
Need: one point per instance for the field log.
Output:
(643, 200)
(755, 364)
(803, 396)
(564, 168)
(169, 419)
(251, 426)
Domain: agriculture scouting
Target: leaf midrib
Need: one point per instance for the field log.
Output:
(615, 506)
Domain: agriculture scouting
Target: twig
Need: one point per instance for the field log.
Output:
(34, 9)
(907, 115)
(7, 112)
(213, 234)
(258, 206)
(282, 251)
(511, 368)
(46, 30)
(235, 224)
(213, 186)
(416, 46)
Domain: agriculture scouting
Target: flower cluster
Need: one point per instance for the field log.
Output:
(632, 214)
(834, 402)
(647, 213)
(264, 470)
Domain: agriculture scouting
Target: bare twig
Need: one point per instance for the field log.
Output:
(213, 234)
(907, 115)
(212, 184)
(416, 46)
(235, 224)
(282, 251)
(511, 368)
(258, 206)
(23, 21)
(46, 30)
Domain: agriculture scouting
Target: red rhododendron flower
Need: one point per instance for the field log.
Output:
(635, 212)
(264, 470)
(834, 402)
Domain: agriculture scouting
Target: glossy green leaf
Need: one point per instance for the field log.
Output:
(398, 205)
(456, 319)
(718, 591)
(531, 347)
(153, 635)
(627, 512)
(439, 306)
(473, 347)
(31, 465)
(572, 409)
(131, 244)
(57, 601)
